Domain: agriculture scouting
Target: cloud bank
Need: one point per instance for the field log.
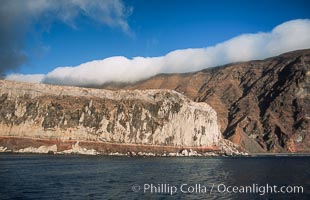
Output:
(18, 18)
(289, 36)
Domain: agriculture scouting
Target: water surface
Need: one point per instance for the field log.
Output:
(33, 176)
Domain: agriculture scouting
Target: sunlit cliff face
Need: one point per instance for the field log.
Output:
(157, 117)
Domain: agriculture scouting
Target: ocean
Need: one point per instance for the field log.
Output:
(37, 176)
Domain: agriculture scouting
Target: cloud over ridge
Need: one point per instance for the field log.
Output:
(288, 36)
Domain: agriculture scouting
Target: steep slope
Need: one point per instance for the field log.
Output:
(261, 105)
(98, 119)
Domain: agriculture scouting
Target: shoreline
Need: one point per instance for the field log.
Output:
(12, 144)
(57, 146)
(162, 156)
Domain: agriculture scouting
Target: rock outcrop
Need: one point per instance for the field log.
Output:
(158, 118)
(263, 105)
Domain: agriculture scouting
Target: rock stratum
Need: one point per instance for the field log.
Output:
(44, 118)
(262, 106)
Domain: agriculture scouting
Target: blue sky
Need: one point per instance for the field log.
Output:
(158, 27)
(155, 28)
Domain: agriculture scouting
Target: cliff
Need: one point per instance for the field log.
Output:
(43, 118)
(262, 105)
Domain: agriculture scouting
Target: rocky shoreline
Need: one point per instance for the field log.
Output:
(184, 153)
(45, 146)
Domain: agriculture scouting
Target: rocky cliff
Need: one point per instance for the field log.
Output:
(262, 105)
(38, 117)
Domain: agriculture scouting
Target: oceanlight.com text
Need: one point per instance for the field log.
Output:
(165, 188)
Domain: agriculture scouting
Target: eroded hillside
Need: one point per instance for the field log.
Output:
(261, 105)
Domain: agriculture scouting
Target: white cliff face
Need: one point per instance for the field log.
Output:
(154, 117)
(195, 125)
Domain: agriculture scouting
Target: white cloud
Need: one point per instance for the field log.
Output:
(30, 78)
(289, 36)
(110, 12)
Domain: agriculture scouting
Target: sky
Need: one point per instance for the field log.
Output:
(80, 42)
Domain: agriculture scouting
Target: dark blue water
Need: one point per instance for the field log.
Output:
(30, 176)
